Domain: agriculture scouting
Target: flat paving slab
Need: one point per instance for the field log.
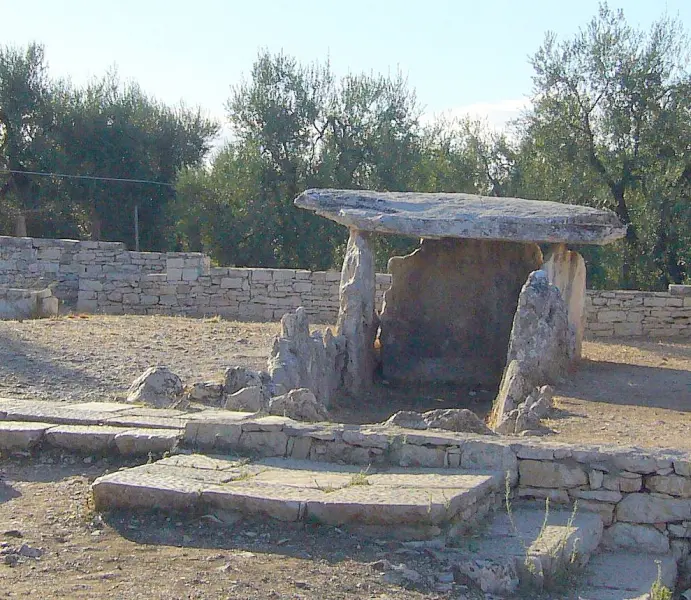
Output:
(19, 435)
(626, 576)
(295, 490)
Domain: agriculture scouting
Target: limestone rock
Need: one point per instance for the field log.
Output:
(409, 419)
(566, 269)
(157, 386)
(642, 538)
(253, 398)
(514, 388)
(456, 419)
(541, 340)
(300, 360)
(357, 318)
(548, 474)
(445, 297)
(451, 419)
(235, 378)
(300, 404)
(440, 215)
(649, 508)
(206, 392)
(674, 485)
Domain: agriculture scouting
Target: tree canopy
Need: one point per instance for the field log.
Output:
(609, 125)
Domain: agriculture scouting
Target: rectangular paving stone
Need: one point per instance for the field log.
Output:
(146, 421)
(101, 406)
(373, 505)
(19, 435)
(144, 441)
(54, 412)
(134, 488)
(279, 502)
(83, 438)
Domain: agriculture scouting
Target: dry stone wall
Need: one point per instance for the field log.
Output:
(106, 277)
(643, 496)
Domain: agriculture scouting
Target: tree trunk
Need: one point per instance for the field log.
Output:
(95, 226)
(20, 225)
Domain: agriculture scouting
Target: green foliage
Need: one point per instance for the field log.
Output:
(104, 129)
(610, 127)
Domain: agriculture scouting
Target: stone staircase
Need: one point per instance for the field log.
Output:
(456, 512)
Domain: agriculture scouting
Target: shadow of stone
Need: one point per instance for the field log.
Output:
(625, 384)
(7, 492)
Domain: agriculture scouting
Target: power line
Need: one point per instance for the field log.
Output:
(88, 177)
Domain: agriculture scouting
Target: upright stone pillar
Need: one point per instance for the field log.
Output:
(566, 269)
(357, 319)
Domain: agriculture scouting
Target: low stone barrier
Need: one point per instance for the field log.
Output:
(104, 277)
(27, 304)
(643, 496)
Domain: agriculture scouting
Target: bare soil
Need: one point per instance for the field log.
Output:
(625, 391)
(53, 545)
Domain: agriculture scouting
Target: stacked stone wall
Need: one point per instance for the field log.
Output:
(643, 496)
(104, 277)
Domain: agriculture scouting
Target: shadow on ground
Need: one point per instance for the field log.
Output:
(626, 384)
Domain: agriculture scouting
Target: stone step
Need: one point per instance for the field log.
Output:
(293, 490)
(523, 549)
(626, 576)
(93, 439)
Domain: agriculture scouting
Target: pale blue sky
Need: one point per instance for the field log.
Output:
(460, 56)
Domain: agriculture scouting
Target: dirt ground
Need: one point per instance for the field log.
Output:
(626, 391)
(53, 545)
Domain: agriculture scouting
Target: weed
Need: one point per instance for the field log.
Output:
(659, 591)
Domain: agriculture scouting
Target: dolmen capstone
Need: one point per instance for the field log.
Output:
(477, 302)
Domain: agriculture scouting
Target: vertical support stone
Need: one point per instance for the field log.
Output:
(357, 319)
(566, 269)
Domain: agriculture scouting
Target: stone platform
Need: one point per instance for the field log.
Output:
(291, 490)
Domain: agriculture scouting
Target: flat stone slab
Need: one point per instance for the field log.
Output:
(296, 490)
(83, 438)
(18, 435)
(464, 216)
(145, 441)
(54, 412)
(625, 576)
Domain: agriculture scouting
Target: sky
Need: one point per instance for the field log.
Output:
(461, 57)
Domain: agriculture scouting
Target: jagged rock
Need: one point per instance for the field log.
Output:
(451, 419)
(541, 348)
(409, 419)
(541, 340)
(300, 360)
(237, 378)
(300, 404)
(490, 577)
(456, 419)
(206, 392)
(357, 319)
(253, 398)
(157, 386)
(513, 390)
(526, 420)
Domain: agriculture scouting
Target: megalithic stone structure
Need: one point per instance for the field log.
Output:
(452, 303)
